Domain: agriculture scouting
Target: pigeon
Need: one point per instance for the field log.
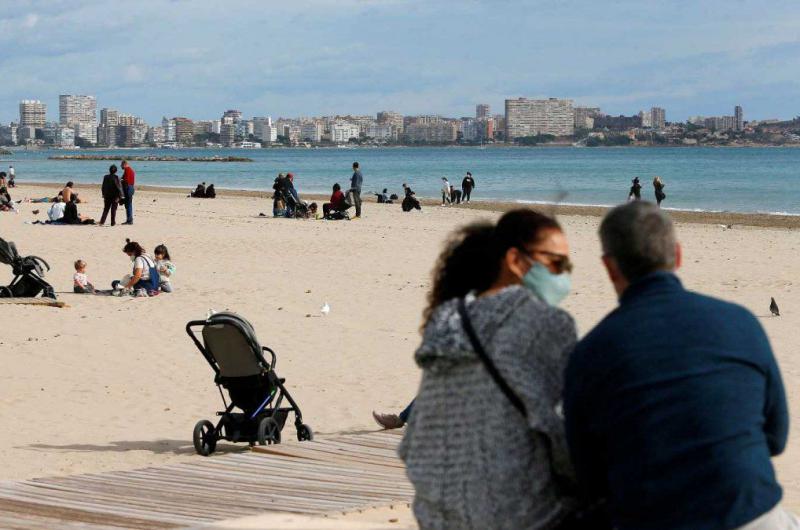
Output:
(325, 309)
(773, 307)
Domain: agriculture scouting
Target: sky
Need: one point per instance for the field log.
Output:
(196, 58)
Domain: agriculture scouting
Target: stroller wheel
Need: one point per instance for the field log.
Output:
(269, 432)
(5, 292)
(204, 438)
(304, 433)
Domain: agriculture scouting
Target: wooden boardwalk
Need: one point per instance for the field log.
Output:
(334, 474)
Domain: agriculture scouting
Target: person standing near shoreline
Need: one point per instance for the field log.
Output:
(112, 193)
(467, 185)
(354, 192)
(635, 193)
(128, 181)
(658, 184)
(12, 174)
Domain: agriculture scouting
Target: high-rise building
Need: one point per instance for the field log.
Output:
(227, 134)
(79, 113)
(380, 131)
(233, 114)
(440, 132)
(107, 135)
(169, 129)
(482, 111)
(311, 131)
(109, 117)
(658, 118)
(647, 118)
(184, 131)
(738, 116)
(584, 117)
(342, 132)
(8, 134)
(393, 119)
(264, 130)
(530, 117)
(64, 136)
(32, 113)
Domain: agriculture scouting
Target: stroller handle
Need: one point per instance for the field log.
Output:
(207, 355)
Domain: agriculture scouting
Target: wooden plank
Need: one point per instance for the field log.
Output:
(334, 474)
(24, 509)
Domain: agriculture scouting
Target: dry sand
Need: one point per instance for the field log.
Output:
(115, 383)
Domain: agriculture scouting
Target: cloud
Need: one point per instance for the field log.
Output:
(305, 57)
(30, 20)
(133, 73)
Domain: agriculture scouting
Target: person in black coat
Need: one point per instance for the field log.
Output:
(112, 195)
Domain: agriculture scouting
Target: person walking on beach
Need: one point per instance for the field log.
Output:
(128, 181)
(493, 329)
(658, 185)
(635, 193)
(112, 193)
(12, 174)
(445, 191)
(354, 193)
(674, 403)
(467, 185)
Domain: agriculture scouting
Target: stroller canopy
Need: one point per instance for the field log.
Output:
(8, 252)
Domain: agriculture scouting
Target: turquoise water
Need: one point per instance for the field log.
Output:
(743, 180)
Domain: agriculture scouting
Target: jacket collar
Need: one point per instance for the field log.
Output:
(655, 282)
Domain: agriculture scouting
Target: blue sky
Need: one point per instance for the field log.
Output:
(197, 58)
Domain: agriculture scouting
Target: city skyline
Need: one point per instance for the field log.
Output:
(319, 57)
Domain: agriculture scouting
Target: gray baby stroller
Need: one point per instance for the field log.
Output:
(28, 272)
(230, 346)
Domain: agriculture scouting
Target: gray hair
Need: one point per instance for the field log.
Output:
(640, 237)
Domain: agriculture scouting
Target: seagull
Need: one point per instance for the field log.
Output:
(773, 307)
(325, 309)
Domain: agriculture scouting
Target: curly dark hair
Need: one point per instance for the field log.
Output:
(472, 257)
(133, 247)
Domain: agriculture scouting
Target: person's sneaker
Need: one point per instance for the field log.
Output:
(388, 421)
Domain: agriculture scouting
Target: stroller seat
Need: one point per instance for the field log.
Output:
(229, 344)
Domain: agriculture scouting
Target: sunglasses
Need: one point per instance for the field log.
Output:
(560, 262)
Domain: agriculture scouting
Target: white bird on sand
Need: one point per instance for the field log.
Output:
(325, 309)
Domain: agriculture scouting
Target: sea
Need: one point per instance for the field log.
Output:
(753, 180)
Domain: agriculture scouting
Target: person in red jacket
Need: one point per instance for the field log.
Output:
(337, 201)
(128, 180)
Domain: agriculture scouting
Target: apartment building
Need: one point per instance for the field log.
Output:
(530, 117)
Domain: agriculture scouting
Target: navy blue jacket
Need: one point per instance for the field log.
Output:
(674, 405)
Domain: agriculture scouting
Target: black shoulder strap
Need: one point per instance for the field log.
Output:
(487, 362)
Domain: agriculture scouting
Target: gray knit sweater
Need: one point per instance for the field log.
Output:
(474, 461)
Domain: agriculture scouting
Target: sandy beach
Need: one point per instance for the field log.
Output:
(114, 383)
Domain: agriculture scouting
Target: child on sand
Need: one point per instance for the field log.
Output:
(80, 281)
(165, 267)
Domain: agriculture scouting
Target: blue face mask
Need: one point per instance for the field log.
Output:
(551, 288)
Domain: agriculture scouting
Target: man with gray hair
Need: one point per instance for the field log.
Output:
(674, 403)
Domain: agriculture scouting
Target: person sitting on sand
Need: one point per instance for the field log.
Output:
(336, 203)
(165, 267)
(71, 215)
(199, 192)
(56, 211)
(410, 201)
(144, 280)
(6, 204)
(673, 403)
(211, 193)
(290, 195)
(383, 197)
(493, 329)
(80, 281)
(67, 192)
(278, 200)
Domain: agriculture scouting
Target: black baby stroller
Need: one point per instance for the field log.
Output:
(28, 279)
(230, 346)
